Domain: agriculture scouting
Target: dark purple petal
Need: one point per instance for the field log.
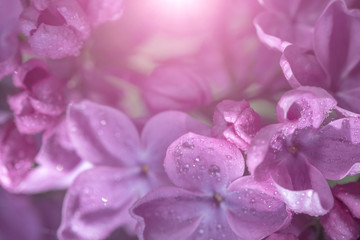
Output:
(305, 106)
(336, 152)
(236, 122)
(19, 219)
(102, 135)
(98, 202)
(202, 163)
(349, 195)
(339, 224)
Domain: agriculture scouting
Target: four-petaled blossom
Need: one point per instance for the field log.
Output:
(126, 166)
(299, 154)
(211, 200)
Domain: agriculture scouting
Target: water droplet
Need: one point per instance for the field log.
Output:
(103, 122)
(104, 200)
(214, 170)
(197, 159)
(59, 167)
(188, 145)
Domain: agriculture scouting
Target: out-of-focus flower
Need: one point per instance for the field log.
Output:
(335, 62)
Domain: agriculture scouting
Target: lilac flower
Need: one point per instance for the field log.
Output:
(40, 101)
(236, 122)
(297, 157)
(55, 29)
(9, 54)
(334, 64)
(342, 222)
(126, 166)
(210, 200)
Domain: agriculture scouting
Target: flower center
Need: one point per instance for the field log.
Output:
(145, 168)
(218, 198)
(293, 150)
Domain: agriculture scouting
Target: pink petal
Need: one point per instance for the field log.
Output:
(236, 122)
(339, 224)
(175, 87)
(160, 131)
(102, 135)
(251, 213)
(336, 153)
(27, 120)
(202, 163)
(304, 106)
(98, 202)
(349, 194)
(100, 11)
(57, 31)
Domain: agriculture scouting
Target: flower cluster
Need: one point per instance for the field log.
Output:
(180, 119)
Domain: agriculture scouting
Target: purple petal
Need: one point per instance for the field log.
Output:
(175, 213)
(336, 153)
(302, 187)
(98, 202)
(236, 122)
(304, 106)
(203, 163)
(249, 207)
(349, 194)
(102, 135)
(301, 68)
(160, 131)
(339, 224)
(336, 41)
